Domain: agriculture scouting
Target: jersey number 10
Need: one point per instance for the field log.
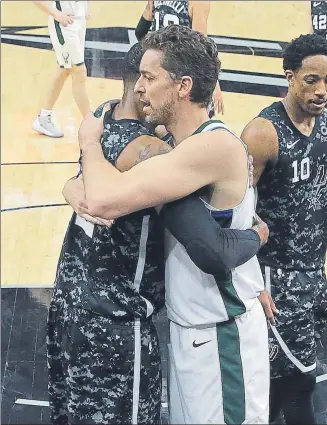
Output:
(304, 170)
(167, 20)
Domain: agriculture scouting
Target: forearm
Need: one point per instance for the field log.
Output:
(143, 27)
(98, 173)
(213, 249)
(45, 7)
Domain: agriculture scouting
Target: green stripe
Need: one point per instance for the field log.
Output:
(58, 6)
(233, 304)
(205, 124)
(58, 28)
(231, 372)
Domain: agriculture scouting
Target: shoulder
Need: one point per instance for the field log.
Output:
(260, 132)
(112, 103)
(123, 131)
(272, 112)
(212, 147)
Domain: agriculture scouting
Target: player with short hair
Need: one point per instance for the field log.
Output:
(219, 365)
(103, 352)
(193, 14)
(288, 141)
(67, 29)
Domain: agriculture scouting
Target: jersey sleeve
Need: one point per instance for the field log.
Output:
(212, 248)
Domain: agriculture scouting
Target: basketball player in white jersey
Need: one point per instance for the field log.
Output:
(219, 365)
(67, 28)
(193, 14)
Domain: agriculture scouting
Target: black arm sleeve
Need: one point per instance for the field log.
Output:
(213, 249)
(142, 28)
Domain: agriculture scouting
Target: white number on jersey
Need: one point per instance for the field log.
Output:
(304, 173)
(319, 22)
(168, 20)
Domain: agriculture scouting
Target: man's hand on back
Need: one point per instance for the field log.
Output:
(74, 194)
(261, 228)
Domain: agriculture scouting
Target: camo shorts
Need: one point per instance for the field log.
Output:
(101, 371)
(301, 298)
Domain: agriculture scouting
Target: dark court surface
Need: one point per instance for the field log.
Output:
(23, 359)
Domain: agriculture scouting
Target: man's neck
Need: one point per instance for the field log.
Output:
(126, 109)
(186, 121)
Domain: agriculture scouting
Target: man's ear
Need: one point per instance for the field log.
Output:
(186, 85)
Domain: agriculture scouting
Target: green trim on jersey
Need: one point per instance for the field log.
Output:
(205, 124)
(232, 378)
(57, 26)
(233, 304)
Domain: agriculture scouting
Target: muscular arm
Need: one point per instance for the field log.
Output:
(262, 141)
(212, 248)
(164, 178)
(145, 22)
(199, 13)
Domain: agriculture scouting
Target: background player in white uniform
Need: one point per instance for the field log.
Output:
(289, 145)
(193, 14)
(219, 358)
(67, 28)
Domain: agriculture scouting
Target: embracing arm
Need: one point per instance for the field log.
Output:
(161, 179)
(212, 248)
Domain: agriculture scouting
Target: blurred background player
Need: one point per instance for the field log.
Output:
(193, 14)
(67, 28)
(319, 18)
(289, 145)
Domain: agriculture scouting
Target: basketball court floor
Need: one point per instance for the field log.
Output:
(250, 36)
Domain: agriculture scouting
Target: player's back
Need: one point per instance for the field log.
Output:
(195, 298)
(319, 17)
(292, 196)
(116, 271)
(166, 13)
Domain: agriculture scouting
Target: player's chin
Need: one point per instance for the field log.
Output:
(316, 109)
(151, 120)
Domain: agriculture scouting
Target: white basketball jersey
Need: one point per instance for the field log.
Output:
(79, 9)
(195, 298)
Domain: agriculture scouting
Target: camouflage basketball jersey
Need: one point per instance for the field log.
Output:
(117, 271)
(292, 196)
(170, 12)
(319, 17)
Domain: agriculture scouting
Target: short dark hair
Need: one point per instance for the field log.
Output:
(187, 52)
(131, 64)
(301, 48)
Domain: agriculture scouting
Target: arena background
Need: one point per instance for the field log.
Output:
(250, 36)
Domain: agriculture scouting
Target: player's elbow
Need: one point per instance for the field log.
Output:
(207, 260)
